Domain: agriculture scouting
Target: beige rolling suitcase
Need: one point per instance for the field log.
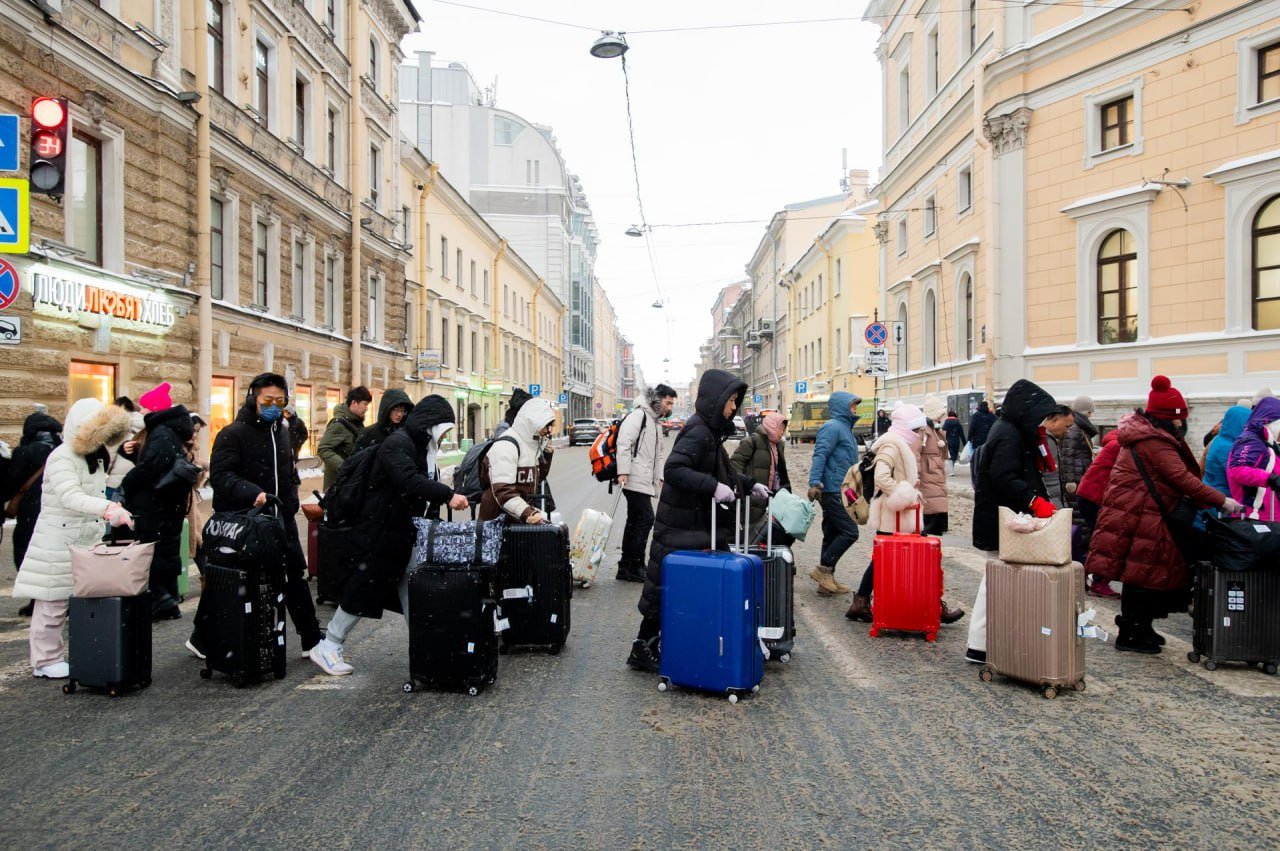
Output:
(1033, 612)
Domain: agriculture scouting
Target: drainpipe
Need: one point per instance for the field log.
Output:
(497, 329)
(204, 213)
(355, 119)
(432, 171)
(829, 309)
(533, 310)
(989, 217)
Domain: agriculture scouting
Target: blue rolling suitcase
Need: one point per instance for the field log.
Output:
(710, 620)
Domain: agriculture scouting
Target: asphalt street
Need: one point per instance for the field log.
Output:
(858, 742)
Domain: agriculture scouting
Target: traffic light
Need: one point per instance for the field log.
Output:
(50, 122)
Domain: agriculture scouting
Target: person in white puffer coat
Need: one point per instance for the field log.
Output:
(72, 510)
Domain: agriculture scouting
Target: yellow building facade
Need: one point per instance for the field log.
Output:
(608, 358)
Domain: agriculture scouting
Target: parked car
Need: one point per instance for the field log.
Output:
(739, 428)
(583, 431)
(673, 424)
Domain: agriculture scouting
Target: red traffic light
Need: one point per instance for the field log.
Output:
(48, 112)
(46, 145)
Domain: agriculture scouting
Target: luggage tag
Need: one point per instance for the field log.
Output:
(1086, 630)
(500, 624)
(525, 593)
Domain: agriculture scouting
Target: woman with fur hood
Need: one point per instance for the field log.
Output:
(73, 506)
(897, 496)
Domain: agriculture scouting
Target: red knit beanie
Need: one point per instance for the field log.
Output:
(1164, 401)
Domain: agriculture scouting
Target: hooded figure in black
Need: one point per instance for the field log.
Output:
(403, 484)
(41, 433)
(252, 459)
(518, 398)
(379, 431)
(159, 502)
(697, 471)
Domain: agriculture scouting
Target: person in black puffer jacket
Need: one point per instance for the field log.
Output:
(251, 460)
(980, 425)
(392, 410)
(159, 502)
(697, 471)
(41, 434)
(1009, 473)
(404, 484)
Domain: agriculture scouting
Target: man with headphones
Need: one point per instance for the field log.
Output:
(252, 459)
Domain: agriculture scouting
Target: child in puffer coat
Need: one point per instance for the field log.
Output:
(1253, 470)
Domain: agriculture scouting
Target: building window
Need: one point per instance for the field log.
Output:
(902, 236)
(92, 381)
(260, 265)
(533, 172)
(301, 399)
(475, 352)
(458, 266)
(461, 364)
(967, 289)
(932, 73)
(405, 213)
(222, 405)
(972, 25)
(375, 174)
(839, 283)
(902, 347)
(331, 16)
(505, 131)
(485, 288)
(85, 202)
(904, 99)
(1269, 73)
(330, 290)
(444, 341)
(216, 278)
(444, 257)
(930, 215)
(930, 329)
(837, 360)
(371, 321)
(299, 278)
(1117, 123)
(262, 78)
(217, 56)
(374, 50)
(1266, 267)
(964, 188)
(301, 92)
(473, 279)
(1117, 289)
(331, 140)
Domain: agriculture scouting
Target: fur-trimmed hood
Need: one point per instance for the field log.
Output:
(92, 425)
(897, 477)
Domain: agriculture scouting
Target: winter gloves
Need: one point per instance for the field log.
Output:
(759, 491)
(724, 493)
(815, 493)
(118, 515)
(1041, 507)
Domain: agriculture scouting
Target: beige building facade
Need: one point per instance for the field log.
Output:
(1105, 178)
(608, 359)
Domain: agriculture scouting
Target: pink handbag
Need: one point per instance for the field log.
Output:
(111, 570)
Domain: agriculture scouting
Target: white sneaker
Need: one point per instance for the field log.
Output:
(56, 671)
(194, 652)
(329, 658)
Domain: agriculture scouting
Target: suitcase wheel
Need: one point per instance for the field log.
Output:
(1193, 657)
(206, 673)
(874, 632)
(1270, 668)
(408, 686)
(986, 674)
(69, 687)
(755, 689)
(473, 691)
(662, 684)
(784, 658)
(733, 697)
(1049, 692)
(113, 691)
(280, 673)
(1079, 686)
(555, 649)
(1210, 665)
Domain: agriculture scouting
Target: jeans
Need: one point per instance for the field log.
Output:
(635, 535)
(839, 532)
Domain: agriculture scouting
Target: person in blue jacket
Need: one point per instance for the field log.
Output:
(1215, 463)
(834, 451)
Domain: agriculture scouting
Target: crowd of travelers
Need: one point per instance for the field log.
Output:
(131, 470)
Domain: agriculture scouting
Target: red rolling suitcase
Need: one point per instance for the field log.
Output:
(907, 587)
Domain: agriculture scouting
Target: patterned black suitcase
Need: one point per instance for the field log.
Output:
(240, 623)
(1236, 617)
(453, 643)
(535, 585)
(110, 643)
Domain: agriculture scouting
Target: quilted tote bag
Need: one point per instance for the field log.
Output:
(1047, 545)
(111, 570)
(793, 513)
(449, 542)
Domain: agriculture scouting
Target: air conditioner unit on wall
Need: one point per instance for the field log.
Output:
(753, 340)
(766, 328)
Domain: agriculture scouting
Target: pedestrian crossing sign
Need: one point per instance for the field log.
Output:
(15, 215)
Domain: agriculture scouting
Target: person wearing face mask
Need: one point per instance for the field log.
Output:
(404, 484)
(516, 465)
(897, 495)
(392, 410)
(1253, 466)
(697, 471)
(1136, 540)
(252, 459)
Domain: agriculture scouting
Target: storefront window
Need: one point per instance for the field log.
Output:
(222, 406)
(302, 404)
(93, 381)
(371, 415)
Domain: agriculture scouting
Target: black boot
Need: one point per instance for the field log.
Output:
(1134, 638)
(644, 655)
(164, 607)
(28, 610)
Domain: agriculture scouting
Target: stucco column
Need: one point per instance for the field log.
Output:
(1007, 135)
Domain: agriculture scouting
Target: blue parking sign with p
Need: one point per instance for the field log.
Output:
(802, 387)
(757, 399)
(535, 389)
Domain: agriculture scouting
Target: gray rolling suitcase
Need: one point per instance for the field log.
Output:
(110, 643)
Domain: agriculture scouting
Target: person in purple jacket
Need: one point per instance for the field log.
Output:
(1253, 468)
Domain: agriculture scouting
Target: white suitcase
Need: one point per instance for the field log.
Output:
(586, 552)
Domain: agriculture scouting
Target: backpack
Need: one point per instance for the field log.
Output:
(352, 427)
(344, 500)
(604, 450)
(466, 476)
(867, 475)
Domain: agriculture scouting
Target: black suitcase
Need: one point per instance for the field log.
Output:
(453, 645)
(778, 612)
(240, 622)
(1236, 617)
(110, 643)
(535, 584)
(333, 564)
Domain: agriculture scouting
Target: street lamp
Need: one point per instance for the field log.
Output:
(634, 230)
(609, 45)
(658, 303)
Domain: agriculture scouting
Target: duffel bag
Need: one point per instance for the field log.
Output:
(793, 513)
(1244, 544)
(454, 543)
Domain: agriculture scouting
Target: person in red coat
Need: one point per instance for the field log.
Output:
(1132, 541)
(1088, 495)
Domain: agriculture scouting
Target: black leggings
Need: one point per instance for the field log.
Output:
(867, 583)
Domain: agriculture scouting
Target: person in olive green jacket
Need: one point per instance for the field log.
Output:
(339, 439)
(762, 456)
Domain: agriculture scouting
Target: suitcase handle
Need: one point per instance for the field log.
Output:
(897, 522)
(739, 543)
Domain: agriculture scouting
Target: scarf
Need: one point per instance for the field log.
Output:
(771, 425)
(911, 436)
(1045, 460)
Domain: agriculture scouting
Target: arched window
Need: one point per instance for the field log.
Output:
(903, 360)
(1117, 289)
(966, 294)
(1266, 267)
(930, 329)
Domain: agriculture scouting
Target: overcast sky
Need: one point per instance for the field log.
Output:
(731, 124)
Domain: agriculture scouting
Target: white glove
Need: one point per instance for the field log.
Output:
(1230, 506)
(118, 515)
(760, 492)
(724, 493)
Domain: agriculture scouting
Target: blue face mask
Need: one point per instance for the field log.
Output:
(271, 414)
